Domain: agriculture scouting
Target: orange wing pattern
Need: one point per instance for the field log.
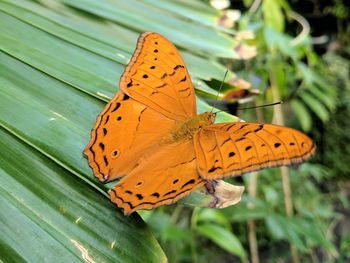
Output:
(123, 132)
(228, 149)
(161, 178)
(157, 77)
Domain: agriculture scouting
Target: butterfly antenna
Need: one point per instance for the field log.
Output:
(261, 106)
(217, 96)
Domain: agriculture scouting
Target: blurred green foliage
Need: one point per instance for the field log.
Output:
(336, 131)
(289, 63)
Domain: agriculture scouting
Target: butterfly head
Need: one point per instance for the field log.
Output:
(208, 117)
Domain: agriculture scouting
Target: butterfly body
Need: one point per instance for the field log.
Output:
(151, 135)
(186, 130)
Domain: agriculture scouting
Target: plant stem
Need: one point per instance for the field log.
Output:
(288, 203)
(253, 244)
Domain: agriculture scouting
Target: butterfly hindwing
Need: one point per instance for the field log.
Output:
(227, 149)
(163, 177)
(157, 77)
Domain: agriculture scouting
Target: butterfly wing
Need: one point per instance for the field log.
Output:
(123, 132)
(161, 178)
(157, 77)
(227, 149)
(156, 91)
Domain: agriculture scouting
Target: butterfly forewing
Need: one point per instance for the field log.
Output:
(157, 77)
(157, 92)
(123, 132)
(228, 149)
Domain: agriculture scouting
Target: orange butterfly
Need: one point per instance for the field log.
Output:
(150, 134)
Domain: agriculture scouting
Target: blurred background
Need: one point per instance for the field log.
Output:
(61, 61)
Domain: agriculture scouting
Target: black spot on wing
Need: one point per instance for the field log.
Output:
(139, 196)
(184, 79)
(161, 86)
(117, 105)
(213, 169)
(102, 146)
(192, 181)
(114, 192)
(107, 119)
(229, 127)
(244, 125)
(115, 153)
(247, 133)
(261, 126)
(178, 66)
(225, 141)
(171, 192)
(156, 194)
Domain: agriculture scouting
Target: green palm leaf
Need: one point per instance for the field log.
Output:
(59, 65)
